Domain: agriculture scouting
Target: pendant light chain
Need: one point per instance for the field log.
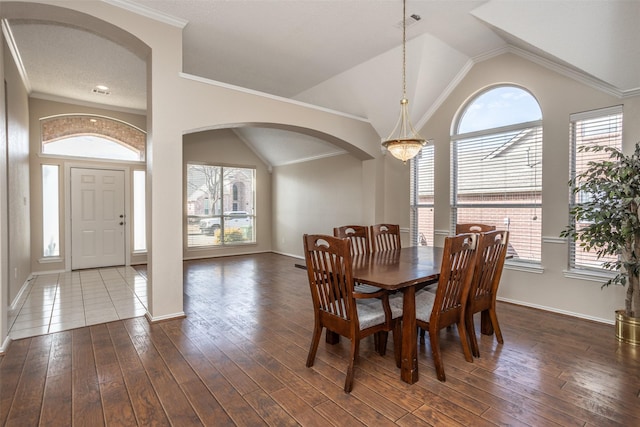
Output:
(404, 142)
(404, 49)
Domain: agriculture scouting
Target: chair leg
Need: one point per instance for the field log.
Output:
(397, 342)
(381, 339)
(496, 326)
(471, 330)
(434, 338)
(348, 383)
(464, 340)
(317, 333)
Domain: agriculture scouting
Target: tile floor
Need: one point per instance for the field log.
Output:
(61, 301)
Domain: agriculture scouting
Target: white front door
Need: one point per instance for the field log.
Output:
(97, 218)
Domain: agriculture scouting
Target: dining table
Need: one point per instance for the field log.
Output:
(402, 270)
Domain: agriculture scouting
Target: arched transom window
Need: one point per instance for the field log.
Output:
(93, 137)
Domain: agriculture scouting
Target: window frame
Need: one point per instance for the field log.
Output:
(594, 117)
(218, 206)
(533, 249)
(425, 159)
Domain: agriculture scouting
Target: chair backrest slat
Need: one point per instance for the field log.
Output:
(358, 235)
(328, 261)
(492, 251)
(456, 272)
(385, 237)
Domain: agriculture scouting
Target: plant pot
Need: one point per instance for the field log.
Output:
(627, 328)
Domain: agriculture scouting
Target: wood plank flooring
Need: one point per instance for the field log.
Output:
(238, 358)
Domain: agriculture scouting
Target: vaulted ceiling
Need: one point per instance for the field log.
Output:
(340, 54)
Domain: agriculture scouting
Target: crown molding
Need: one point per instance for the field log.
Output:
(148, 12)
(568, 72)
(15, 53)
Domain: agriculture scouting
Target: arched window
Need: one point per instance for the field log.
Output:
(497, 166)
(92, 137)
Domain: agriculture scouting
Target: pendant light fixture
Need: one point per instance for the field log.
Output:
(404, 142)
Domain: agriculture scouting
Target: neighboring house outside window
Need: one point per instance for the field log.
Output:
(220, 205)
(422, 197)
(496, 164)
(599, 127)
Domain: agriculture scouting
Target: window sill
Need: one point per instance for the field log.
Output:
(50, 260)
(527, 267)
(591, 275)
(220, 247)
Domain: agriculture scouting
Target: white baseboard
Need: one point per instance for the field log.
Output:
(152, 319)
(555, 310)
(196, 257)
(289, 255)
(5, 345)
(22, 293)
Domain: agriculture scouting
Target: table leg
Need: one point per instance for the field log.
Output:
(485, 323)
(409, 366)
(332, 338)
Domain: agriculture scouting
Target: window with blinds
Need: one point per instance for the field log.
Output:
(422, 197)
(497, 168)
(592, 128)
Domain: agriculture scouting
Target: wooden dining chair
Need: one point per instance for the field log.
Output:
(338, 308)
(360, 245)
(446, 306)
(385, 237)
(473, 228)
(359, 236)
(492, 250)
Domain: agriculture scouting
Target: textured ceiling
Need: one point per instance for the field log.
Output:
(339, 54)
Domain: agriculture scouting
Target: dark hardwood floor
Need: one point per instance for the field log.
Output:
(238, 358)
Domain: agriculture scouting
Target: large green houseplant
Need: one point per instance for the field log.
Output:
(606, 219)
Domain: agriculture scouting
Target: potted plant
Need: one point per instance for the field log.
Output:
(607, 221)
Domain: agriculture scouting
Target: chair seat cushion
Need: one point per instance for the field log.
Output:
(371, 313)
(363, 288)
(424, 304)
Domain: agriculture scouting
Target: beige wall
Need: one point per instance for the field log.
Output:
(39, 108)
(223, 147)
(17, 152)
(559, 96)
(314, 197)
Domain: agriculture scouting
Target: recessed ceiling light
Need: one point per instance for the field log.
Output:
(101, 89)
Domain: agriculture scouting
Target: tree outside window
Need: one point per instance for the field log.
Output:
(220, 205)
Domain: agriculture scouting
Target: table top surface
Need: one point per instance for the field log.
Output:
(399, 268)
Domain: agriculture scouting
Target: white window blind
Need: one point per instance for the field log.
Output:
(497, 180)
(422, 197)
(601, 127)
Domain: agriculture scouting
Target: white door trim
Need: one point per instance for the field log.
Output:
(67, 208)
